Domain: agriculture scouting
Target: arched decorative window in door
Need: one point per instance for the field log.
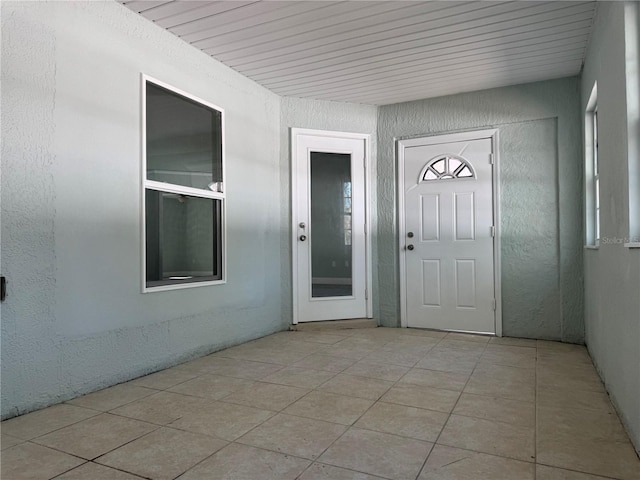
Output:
(447, 167)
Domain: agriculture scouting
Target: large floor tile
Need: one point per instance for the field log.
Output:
(277, 355)
(93, 471)
(468, 337)
(402, 420)
(580, 424)
(223, 420)
(242, 462)
(501, 387)
(430, 398)
(390, 373)
(447, 463)
(485, 436)
(29, 461)
(44, 421)
(112, 397)
(400, 357)
(361, 387)
(267, 396)
(162, 408)
(233, 367)
(163, 379)
(444, 363)
(498, 409)
(516, 342)
(209, 386)
(7, 441)
(330, 407)
(320, 337)
(298, 436)
(575, 377)
(351, 350)
(299, 377)
(424, 332)
(163, 454)
(96, 436)
(463, 346)
(520, 357)
(435, 379)
(550, 473)
(378, 453)
(570, 398)
(320, 471)
(330, 363)
(586, 441)
(589, 455)
(505, 373)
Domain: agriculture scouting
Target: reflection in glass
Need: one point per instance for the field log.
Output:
(331, 204)
(184, 141)
(182, 240)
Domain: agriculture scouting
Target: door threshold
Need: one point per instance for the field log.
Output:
(335, 325)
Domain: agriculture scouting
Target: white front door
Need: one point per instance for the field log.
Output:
(329, 241)
(447, 238)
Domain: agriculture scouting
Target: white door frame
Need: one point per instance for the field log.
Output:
(295, 133)
(401, 144)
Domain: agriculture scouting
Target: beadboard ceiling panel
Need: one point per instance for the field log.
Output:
(382, 52)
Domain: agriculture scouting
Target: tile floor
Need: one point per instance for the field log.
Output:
(346, 404)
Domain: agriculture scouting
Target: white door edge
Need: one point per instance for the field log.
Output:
(401, 144)
(295, 133)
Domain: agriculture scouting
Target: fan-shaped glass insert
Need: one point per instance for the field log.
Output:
(447, 167)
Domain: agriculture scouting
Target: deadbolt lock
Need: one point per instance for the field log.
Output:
(410, 234)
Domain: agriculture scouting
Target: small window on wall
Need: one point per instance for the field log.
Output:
(592, 171)
(184, 194)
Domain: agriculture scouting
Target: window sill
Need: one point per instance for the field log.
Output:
(632, 245)
(592, 247)
(180, 286)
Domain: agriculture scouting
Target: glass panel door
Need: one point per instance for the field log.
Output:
(331, 250)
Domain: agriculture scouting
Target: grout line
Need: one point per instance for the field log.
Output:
(450, 413)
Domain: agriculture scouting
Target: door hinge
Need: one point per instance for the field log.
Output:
(492, 231)
(493, 304)
(366, 294)
(491, 159)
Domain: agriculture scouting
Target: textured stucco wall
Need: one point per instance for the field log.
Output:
(540, 163)
(321, 115)
(612, 272)
(74, 319)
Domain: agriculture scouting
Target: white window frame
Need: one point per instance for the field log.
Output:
(592, 172)
(180, 190)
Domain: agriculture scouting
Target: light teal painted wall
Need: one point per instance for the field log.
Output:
(321, 115)
(540, 164)
(612, 273)
(74, 319)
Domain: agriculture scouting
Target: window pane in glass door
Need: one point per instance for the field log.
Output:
(330, 232)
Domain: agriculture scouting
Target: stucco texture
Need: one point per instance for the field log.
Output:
(612, 272)
(75, 319)
(540, 167)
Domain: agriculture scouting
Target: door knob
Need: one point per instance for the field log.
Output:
(410, 247)
(303, 238)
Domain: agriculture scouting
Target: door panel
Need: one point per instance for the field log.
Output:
(330, 270)
(448, 244)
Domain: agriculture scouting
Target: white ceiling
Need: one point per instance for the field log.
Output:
(382, 52)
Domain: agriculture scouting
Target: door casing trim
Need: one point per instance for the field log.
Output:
(401, 144)
(295, 133)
